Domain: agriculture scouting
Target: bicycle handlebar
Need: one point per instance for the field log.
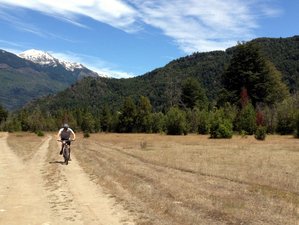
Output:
(66, 140)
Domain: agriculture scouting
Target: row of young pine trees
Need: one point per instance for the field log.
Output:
(218, 122)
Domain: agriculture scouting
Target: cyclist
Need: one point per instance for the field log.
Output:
(64, 134)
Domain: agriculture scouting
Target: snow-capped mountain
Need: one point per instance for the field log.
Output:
(33, 74)
(46, 59)
(39, 57)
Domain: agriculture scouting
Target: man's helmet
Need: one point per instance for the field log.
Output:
(65, 126)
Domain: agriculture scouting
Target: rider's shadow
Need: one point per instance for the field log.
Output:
(58, 162)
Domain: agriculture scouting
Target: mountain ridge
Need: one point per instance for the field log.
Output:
(22, 80)
(163, 85)
(45, 58)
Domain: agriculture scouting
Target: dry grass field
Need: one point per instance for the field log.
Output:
(196, 180)
(190, 180)
(24, 144)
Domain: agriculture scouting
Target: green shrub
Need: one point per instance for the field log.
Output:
(176, 122)
(246, 120)
(86, 135)
(220, 126)
(286, 114)
(40, 133)
(243, 134)
(158, 122)
(221, 129)
(204, 122)
(192, 119)
(285, 125)
(260, 133)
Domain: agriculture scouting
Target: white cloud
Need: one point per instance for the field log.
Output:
(13, 20)
(270, 11)
(94, 63)
(194, 25)
(200, 25)
(114, 12)
(113, 73)
(11, 44)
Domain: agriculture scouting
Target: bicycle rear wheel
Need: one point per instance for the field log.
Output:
(66, 154)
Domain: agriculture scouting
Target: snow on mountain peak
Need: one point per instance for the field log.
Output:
(71, 66)
(39, 57)
(44, 58)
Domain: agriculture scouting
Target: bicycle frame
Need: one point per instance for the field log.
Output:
(66, 150)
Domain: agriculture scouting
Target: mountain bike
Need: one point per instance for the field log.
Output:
(66, 150)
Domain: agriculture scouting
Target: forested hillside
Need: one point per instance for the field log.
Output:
(253, 80)
(284, 54)
(163, 86)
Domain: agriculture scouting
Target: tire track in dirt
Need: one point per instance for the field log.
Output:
(22, 199)
(60, 199)
(74, 199)
(206, 205)
(41, 193)
(206, 213)
(155, 164)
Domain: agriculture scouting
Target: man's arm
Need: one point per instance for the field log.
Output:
(74, 135)
(58, 135)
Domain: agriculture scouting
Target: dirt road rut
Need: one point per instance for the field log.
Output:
(44, 191)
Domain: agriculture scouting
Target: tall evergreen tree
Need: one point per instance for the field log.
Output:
(88, 122)
(143, 117)
(3, 114)
(250, 70)
(193, 94)
(127, 118)
(106, 118)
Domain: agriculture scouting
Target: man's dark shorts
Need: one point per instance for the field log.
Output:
(68, 142)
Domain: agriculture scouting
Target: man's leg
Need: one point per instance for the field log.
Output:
(70, 154)
(69, 143)
(61, 149)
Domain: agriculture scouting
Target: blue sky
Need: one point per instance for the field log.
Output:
(123, 38)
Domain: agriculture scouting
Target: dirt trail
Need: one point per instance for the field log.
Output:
(45, 192)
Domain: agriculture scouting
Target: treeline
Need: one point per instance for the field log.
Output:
(138, 116)
(252, 99)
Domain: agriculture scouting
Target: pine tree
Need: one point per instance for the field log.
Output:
(143, 117)
(250, 70)
(88, 122)
(193, 94)
(127, 118)
(3, 114)
(106, 119)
